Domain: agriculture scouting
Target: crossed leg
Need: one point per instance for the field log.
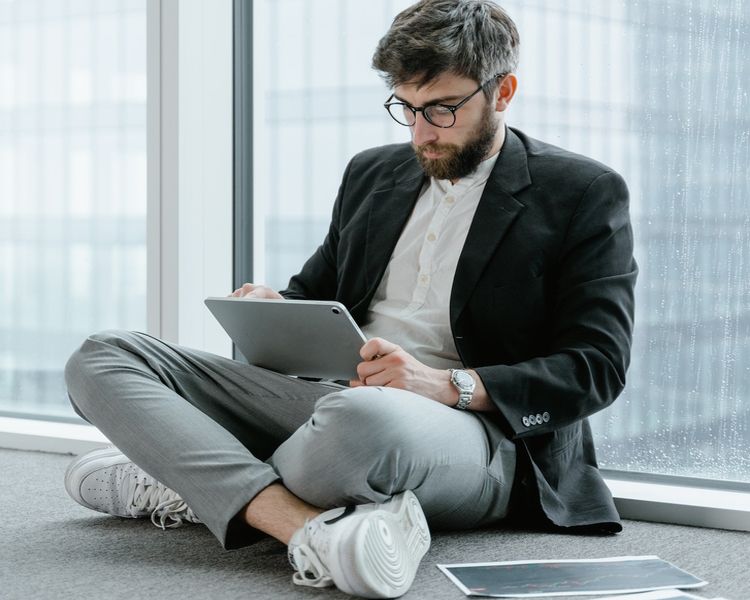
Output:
(247, 447)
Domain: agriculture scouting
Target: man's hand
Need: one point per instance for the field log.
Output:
(386, 364)
(251, 290)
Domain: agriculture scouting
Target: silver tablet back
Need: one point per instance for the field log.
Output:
(306, 338)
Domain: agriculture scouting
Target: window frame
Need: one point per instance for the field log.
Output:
(242, 109)
(243, 142)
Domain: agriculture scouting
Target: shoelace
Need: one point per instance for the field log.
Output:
(309, 571)
(145, 494)
(176, 511)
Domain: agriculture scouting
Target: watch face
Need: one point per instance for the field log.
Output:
(463, 379)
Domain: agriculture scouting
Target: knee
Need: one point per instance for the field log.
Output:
(110, 339)
(354, 408)
(365, 421)
(358, 446)
(88, 361)
(89, 353)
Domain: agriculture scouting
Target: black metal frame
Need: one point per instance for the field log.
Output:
(242, 109)
(424, 109)
(243, 141)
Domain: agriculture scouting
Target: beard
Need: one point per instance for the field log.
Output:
(459, 161)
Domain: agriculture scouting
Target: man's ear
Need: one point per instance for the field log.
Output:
(506, 90)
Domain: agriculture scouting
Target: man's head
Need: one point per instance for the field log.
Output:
(439, 52)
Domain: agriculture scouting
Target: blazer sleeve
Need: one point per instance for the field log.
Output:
(582, 369)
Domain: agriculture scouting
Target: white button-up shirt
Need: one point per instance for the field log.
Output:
(411, 305)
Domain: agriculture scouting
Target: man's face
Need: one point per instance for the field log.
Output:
(454, 152)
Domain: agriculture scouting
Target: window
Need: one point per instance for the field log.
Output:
(313, 91)
(658, 90)
(72, 188)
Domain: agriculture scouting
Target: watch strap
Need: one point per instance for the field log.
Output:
(464, 400)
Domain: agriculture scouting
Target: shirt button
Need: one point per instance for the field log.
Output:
(424, 278)
(449, 199)
(431, 237)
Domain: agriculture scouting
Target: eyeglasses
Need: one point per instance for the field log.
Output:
(439, 115)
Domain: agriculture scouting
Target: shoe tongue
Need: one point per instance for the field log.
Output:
(303, 535)
(298, 537)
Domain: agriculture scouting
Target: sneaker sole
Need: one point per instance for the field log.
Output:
(79, 469)
(388, 548)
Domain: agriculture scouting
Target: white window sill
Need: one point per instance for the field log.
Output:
(679, 504)
(638, 500)
(48, 436)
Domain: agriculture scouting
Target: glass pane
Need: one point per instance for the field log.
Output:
(658, 90)
(72, 188)
(314, 90)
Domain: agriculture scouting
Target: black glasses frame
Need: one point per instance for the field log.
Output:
(425, 109)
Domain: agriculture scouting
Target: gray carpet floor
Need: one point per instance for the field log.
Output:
(52, 548)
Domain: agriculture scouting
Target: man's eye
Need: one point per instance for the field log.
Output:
(439, 109)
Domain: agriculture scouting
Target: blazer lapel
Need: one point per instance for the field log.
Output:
(390, 209)
(496, 211)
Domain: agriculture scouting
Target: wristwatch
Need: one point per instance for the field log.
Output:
(465, 384)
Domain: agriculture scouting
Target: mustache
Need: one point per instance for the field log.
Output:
(434, 148)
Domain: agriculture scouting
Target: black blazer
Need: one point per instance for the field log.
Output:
(541, 304)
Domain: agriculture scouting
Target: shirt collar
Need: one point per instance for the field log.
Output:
(478, 177)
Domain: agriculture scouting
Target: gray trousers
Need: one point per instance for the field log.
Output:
(218, 431)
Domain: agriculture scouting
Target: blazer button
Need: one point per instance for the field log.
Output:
(532, 419)
(545, 417)
(525, 421)
(539, 419)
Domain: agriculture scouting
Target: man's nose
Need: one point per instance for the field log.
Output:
(423, 132)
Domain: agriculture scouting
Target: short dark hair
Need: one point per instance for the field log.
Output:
(471, 38)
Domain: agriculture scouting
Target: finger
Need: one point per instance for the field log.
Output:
(238, 293)
(369, 368)
(251, 291)
(381, 379)
(377, 347)
(355, 383)
(368, 350)
(262, 291)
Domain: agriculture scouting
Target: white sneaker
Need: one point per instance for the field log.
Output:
(371, 550)
(107, 481)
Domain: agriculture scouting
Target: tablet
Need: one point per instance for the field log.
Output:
(306, 338)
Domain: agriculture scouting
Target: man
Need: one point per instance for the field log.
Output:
(493, 276)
